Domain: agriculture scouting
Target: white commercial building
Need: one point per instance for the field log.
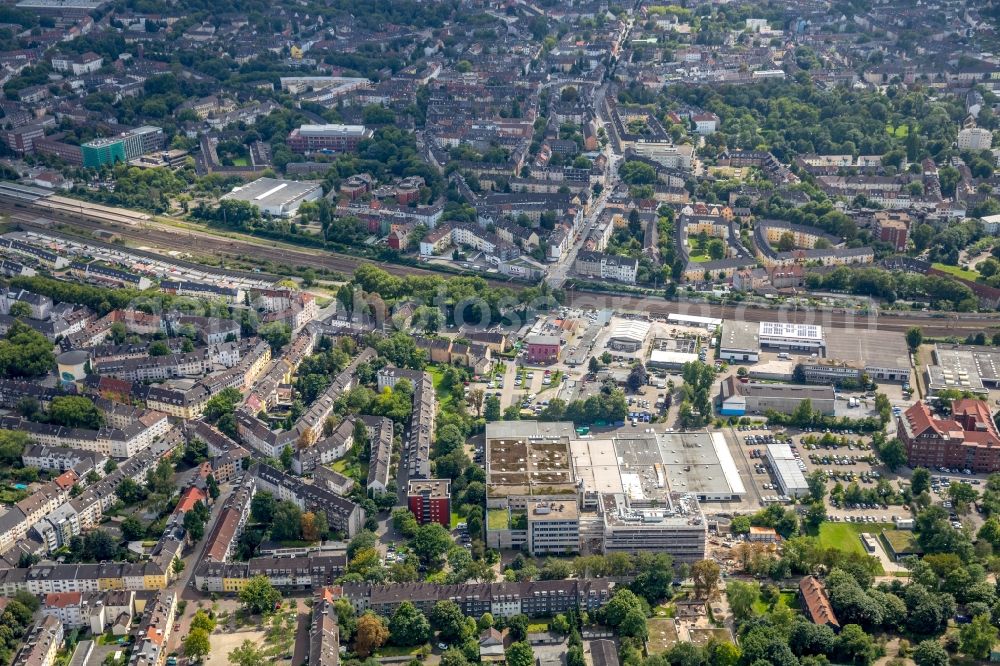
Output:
(786, 336)
(710, 323)
(740, 342)
(629, 335)
(274, 197)
(787, 470)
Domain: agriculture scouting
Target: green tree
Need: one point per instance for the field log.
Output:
(262, 507)
(977, 638)
(132, 529)
(287, 525)
(740, 525)
(920, 481)
(449, 621)
(431, 542)
(408, 626)
(248, 654)
(25, 352)
(259, 595)
(855, 646)
(520, 654)
(914, 337)
(816, 480)
(19, 310)
(492, 411)
(75, 411)
(593, 365)
(742, 597)
(202, 620)
(12, 445)
(893, 454)
(196, 645)
(931, 653)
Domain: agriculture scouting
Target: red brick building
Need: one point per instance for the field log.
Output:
(893, 228)
(968, 440)
(542, 349)
(429, 501)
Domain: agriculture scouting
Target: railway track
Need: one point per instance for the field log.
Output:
(935, 325)
(161, 239)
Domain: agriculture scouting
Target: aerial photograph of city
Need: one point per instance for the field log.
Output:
(503, 332)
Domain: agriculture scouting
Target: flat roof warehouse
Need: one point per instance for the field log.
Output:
(646, 466)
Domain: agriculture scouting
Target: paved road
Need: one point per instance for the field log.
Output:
(191, 560)
(746, 466)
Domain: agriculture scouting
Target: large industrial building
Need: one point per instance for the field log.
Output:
(629, 335)
(740, 342)
(744, 340)
(738, 398)
(827, 356)
(551, 491)
(964, 368)
(274, 197)
(783, 336)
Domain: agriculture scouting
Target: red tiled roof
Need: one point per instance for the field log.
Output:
(817, 603)
(189, 498)
(62, 599)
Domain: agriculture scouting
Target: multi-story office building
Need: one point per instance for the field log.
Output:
(327, 138)
(122, 148)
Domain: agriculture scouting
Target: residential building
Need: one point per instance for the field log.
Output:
(42, 643)
(542, 348)
(975, 139)
(429, 501)
(607, 266)
(812, 592)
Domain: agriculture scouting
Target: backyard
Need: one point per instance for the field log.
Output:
(958, 272)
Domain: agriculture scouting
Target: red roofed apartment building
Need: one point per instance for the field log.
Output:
(817, 603)
(968, 440)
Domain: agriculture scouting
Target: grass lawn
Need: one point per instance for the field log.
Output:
(241, 161)
(537, 627)
(787, 599)
(437, 378)
(844, 536)
(665, 610)
(696, 255)
(455, 519)
(898, 132)
(957, 272)
(497, 519)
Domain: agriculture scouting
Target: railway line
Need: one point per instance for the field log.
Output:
(160, 239)
(933, 324)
